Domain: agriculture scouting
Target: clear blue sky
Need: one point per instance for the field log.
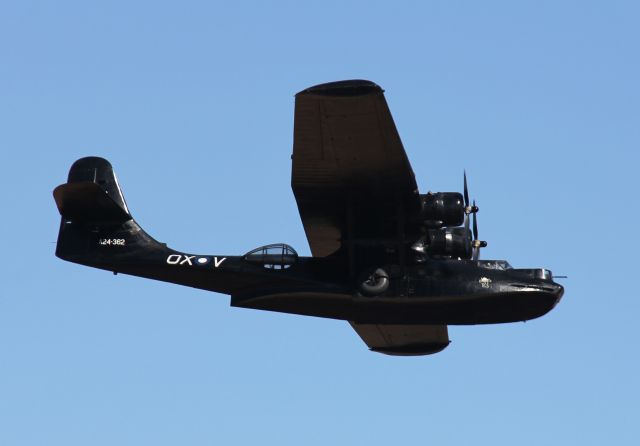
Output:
(193, 104)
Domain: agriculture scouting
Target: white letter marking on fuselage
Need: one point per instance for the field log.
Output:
(183, 259)
(187, 260)
(173, 259)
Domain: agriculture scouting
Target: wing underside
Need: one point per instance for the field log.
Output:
(351, 176)
(403, 340)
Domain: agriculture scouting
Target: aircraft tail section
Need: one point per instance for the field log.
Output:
(92, 194)
(96, 223)
(97, 230)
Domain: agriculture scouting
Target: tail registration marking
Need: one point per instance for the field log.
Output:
(112, 242)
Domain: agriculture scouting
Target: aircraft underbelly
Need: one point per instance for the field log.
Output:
(451, 310)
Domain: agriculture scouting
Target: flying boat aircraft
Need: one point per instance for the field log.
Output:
(400, 266)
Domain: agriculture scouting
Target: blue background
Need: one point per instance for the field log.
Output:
(192, 102)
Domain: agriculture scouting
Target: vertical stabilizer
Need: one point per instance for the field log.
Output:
(96, 223)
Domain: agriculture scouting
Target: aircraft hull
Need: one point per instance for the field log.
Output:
(490, 308)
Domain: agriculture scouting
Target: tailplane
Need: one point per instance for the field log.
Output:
(92, 194)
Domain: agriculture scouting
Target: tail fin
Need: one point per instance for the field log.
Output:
(96, 222)
(92, 194)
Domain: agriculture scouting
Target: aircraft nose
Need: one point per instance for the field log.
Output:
(558, 292)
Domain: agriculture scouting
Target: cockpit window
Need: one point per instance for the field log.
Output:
(277, 256)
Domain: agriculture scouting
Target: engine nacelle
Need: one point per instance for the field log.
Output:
(445, 207)
(450, 242)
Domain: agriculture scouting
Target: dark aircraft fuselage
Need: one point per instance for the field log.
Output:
(438, 291)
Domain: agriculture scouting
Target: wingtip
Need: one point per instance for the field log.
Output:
(352, 87)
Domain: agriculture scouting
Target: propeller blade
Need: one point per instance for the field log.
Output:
(475, 223)
(476, 244)
(466, 226)
(466, 191)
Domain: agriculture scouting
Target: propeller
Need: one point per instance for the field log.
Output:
(468, 209)
(472, 209)
(476, 244)
(475, 223)
(466, 194)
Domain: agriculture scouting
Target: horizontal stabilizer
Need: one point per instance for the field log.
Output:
(88, 202)
(92, 194)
